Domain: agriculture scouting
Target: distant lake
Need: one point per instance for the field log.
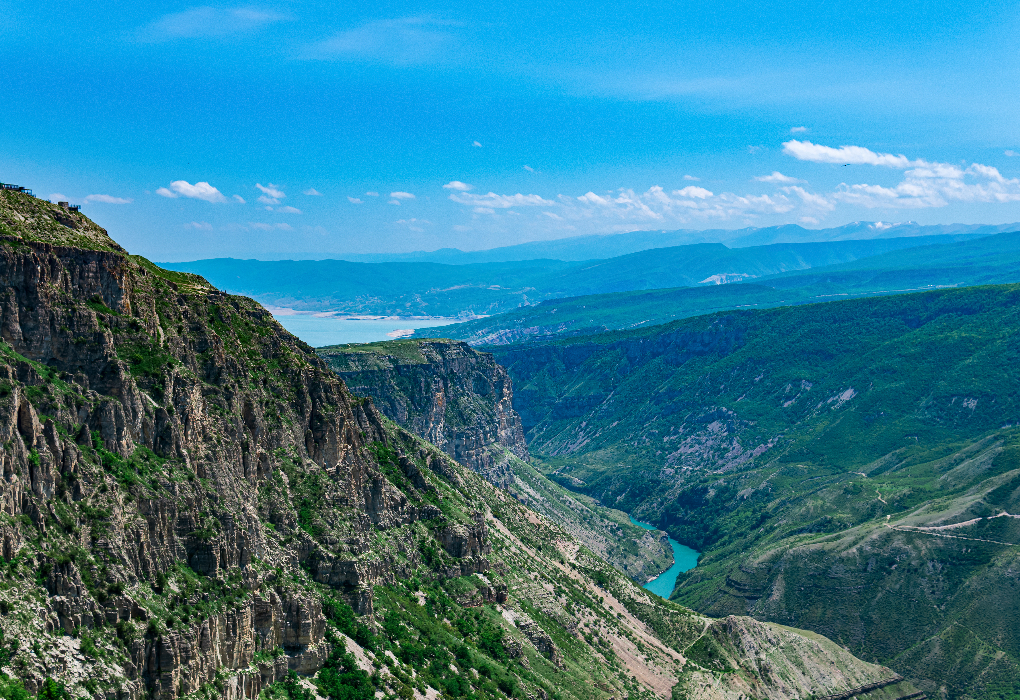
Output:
(318, 331)
(684, 559)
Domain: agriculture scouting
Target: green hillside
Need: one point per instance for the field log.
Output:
(808, 451)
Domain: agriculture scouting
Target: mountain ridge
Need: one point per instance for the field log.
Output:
(612, 245)
(435, 289)
(987, 260)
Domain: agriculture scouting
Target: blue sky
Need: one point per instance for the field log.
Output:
(289, 129)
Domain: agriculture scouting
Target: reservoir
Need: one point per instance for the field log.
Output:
(324, 329)
(684, 559)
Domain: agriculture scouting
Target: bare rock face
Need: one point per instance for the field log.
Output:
(444, 391)
(463, 541)
(154, 428)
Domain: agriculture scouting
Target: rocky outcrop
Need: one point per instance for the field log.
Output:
(455, 397)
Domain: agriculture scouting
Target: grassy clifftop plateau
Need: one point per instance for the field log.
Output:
(846, 467)
(194, 506)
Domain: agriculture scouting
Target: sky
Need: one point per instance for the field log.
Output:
(287, 129)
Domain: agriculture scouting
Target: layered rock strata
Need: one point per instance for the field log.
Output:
(455, 397)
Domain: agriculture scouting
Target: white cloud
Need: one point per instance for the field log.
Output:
(263, 199)
(312, 192)
(1012, 154)
(501, 201)
(458, 185)
(401, 195)
(414, 224)
(57, 197)
(354, 200)
(691, 178)
(269, 227)
(798, 130)
(206, 22)
(529, 168)
(403, 42)
(852, 155)
(925, 184)
(755, 149)
(271, 190)
(288, 210)
(476, 144)
(778, 177)
(107, 199)
(395, 201)
(371, 194)
(986, 171)
(199, 225)
(935, 185)
(624, 208)
(200, 190)
(809, 198)
(809, 220)
(695, 192)
(238, 198)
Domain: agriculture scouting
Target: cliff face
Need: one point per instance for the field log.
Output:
(457, 398)
(460, 399)
(193, 504)
(149, 423)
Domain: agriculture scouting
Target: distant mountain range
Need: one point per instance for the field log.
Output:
(613, 245)
(439, 289)
(958, 263)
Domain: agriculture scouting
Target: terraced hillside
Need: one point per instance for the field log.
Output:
(195, 506)
(847, 467)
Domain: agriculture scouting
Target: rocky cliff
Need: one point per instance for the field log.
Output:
(194, 505)
(460, 399)
(457, 398)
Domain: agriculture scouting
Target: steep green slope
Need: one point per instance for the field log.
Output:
(598, 313)
(195, 506)
(489, 288)
(989, 260)
(800, 449)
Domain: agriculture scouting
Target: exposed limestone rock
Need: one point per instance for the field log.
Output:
(457, 398)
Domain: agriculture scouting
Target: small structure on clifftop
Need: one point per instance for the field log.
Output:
(16, 188)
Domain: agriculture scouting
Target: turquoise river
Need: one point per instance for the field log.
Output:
(684, 559)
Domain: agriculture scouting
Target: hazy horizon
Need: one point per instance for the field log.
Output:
(197, 131)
